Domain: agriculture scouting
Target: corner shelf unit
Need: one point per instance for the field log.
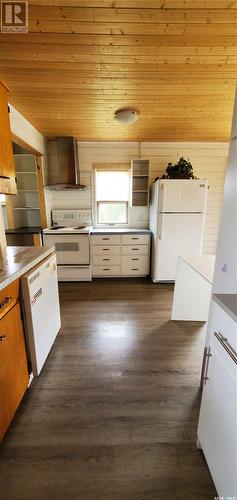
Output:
(140, 183)
(25, 208)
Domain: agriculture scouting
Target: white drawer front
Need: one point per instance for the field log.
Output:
(106, 239)
(135, 265)
(222, 323)
(135, 249)
(106, 260)
(130, 239)
(106, 250)
(74, 273)
(106, 270)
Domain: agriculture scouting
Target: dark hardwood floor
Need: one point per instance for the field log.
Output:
(114, 413)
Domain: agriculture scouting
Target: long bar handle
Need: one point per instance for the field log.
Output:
(204, 359)
(224, 342)
(208, 356)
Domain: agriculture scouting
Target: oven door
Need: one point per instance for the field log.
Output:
(70, 248)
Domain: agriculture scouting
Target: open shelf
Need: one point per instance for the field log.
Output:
(140, 183)
(139, 190)
(25, 208)
(26, 203)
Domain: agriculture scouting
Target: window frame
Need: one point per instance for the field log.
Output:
(96, 222)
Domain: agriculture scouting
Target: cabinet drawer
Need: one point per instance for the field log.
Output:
(135, 265)
(106, 250)
(106, 260)
(74, 273)
(222, 323)
(106, 270)
(130, 239)
(106, 239)
(135, 249)
(9, 297)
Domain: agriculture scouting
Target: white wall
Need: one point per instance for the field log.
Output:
(100, 152)
(208, 159)
(225, 277)
(209, 162)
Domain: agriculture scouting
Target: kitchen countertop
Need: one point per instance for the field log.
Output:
(129, 230)
(202, 264)
(16, 261)
(228, 302)
(25, 230)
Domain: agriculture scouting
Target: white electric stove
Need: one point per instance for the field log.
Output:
(70, 235)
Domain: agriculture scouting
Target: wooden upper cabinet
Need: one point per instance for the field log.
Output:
(7, 168)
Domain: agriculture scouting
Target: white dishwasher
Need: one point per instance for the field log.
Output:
(41, 310)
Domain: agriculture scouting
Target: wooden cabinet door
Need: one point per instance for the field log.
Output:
(7, 168)
(14, 375)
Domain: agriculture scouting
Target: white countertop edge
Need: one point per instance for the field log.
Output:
(130, 230)
(188, 260)
(48, 251)
(225, 308)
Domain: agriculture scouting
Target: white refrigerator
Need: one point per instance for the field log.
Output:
(177, 215)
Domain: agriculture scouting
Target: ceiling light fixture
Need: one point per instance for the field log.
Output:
(126, 116)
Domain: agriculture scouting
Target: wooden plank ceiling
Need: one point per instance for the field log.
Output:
(173, 61)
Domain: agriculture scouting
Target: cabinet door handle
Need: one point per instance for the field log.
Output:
(135, 238)
(134, 269)
(105, 239)
(106, 259)
(5, 301)
(135, 248)
(224, 342)
(208, 356)
(134, 259)
(105, 249)
(106, 269)
(4, 177)
(2, 338)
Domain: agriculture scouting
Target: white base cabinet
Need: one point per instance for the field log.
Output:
(121, 255)
(217, 427)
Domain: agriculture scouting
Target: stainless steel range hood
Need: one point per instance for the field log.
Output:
(63, 165)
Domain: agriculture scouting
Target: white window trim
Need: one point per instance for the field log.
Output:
(94, 204)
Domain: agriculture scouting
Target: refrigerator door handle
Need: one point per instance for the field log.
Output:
(160, 227)
(161, 197)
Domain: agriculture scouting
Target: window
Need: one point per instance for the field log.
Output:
(112, 194)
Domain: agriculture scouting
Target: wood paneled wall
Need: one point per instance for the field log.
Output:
(209, 161)
(173, 60)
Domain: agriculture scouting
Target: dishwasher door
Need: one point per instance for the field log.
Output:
(42, 312)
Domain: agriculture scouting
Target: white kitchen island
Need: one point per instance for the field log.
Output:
(192, 293)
